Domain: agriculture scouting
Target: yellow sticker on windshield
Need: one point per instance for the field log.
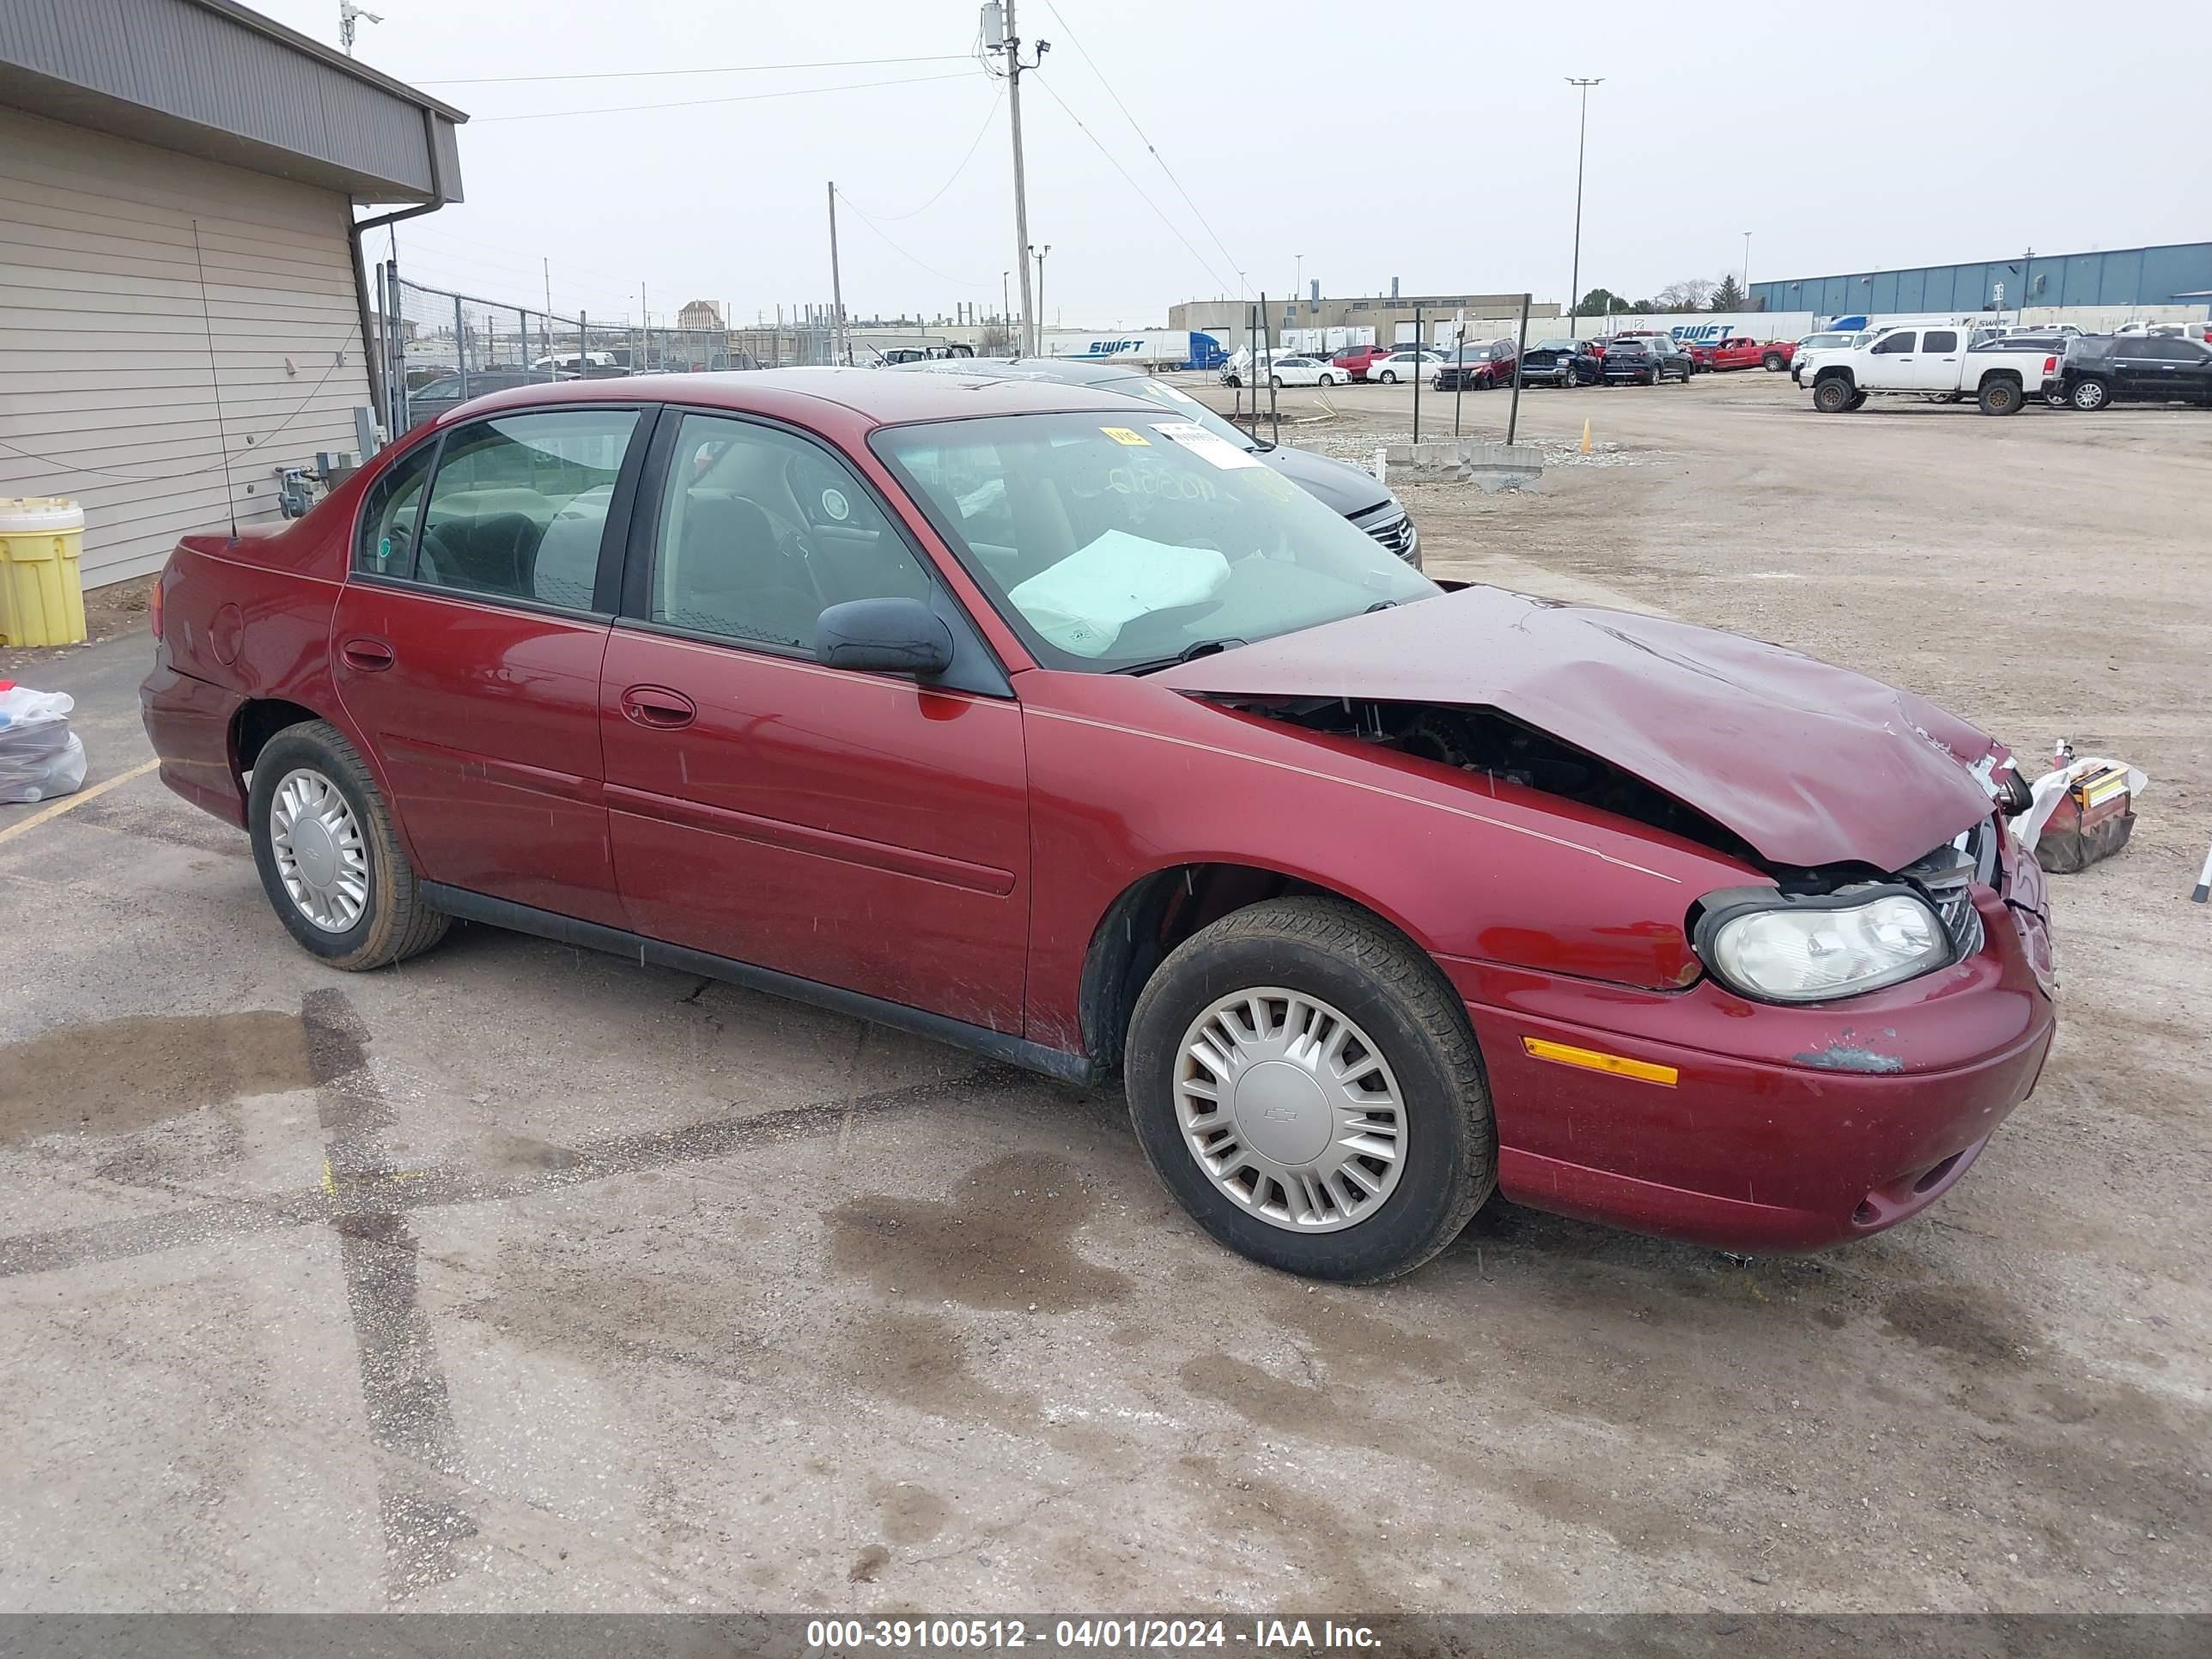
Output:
(1121, 434)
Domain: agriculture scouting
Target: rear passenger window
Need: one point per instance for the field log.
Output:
(386, 545)
(1893, 342)
(1940, 339)
(519, 505)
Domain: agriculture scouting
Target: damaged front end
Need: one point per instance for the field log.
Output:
(1812, 933)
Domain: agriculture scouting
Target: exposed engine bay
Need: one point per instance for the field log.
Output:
(1479, 739)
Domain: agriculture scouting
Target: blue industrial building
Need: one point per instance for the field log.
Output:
(2178, 273)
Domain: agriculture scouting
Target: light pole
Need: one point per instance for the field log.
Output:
(1581, 140)
(1747, 267)
(999, 36)
(1046, 249)
(1298, 288)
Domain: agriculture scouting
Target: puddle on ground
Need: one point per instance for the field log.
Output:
(118, 1075)
(1002, 1241)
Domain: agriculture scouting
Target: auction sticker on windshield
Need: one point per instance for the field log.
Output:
(1204, 444)
(1121, 434)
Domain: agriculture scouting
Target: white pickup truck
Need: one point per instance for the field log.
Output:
(1939, 360)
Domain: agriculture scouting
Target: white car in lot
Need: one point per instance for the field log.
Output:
(1407, 365)
(1304, 371)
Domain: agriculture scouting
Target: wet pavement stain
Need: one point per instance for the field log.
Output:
(115, 1076)
(1003, 1241)
(1976, 1329)
(912, 1513)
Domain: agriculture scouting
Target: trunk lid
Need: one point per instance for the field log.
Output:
(1809, 763)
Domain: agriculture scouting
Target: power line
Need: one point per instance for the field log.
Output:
(1223, 282)
(946, 276)
(980, 132)
(727, 69)
(1150, 148)
(695, 103)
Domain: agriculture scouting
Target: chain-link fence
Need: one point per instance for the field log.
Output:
(436, 348)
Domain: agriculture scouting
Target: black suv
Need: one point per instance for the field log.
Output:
(2135, 368)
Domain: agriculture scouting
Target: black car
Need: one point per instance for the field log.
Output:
(1561, 362)
(433, 398)
(1478, 366)
(2135, 368)
(1674, 362)
(1338, 485)
(1636, 362)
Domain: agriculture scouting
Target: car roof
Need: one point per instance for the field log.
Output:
(879, 397)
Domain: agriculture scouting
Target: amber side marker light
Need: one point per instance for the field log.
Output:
(1561, 1053)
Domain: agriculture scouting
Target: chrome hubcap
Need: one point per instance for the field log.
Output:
(322, 858)
(1289, 1109)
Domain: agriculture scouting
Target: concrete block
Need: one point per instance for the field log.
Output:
(1492, 465)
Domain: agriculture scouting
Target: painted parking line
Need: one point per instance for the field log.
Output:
(70, 803)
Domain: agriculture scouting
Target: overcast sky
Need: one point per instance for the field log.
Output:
(1429, 140)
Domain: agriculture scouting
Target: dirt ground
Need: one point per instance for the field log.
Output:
(525, 1279)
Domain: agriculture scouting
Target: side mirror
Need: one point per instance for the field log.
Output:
(884, 636)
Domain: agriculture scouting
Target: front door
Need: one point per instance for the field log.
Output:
(858, 829)
(466, 648)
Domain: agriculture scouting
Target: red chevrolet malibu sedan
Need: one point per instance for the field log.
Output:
(1036, 719)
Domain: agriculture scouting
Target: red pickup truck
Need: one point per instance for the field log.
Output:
(1742, 352)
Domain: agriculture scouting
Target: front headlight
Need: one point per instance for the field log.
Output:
(1783, 948)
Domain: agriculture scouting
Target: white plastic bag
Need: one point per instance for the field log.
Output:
(40, 757)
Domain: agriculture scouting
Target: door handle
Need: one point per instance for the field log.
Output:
(370, 656)
(657, 707)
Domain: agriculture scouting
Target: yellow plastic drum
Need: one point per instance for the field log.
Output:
(41, 595)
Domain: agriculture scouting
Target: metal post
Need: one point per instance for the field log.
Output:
(1582, 138)
(1274, 414)
(1459, 369)
(1513, 416)
(1013, 49)
(583, 344)
(461, 346)
(1419, 340)
(1252, 362)
(837, 281)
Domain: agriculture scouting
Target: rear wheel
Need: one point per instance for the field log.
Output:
(1306, 1084)
(1276, 381)
(1389, 377)
(2002, 397)
(1834, 396)
(2090, 396)
(1773, 362)
(328, 858)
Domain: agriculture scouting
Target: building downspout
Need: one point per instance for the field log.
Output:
(378, 392)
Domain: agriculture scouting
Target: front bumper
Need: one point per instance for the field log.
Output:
(1784, 1129)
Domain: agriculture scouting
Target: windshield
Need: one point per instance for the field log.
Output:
(1553, 345)
(1110, 546)
(1181, 404)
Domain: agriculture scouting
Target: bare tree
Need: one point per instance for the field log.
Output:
(1691, 293)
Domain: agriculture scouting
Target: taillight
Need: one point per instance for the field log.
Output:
(2051, 364)
(154, 608)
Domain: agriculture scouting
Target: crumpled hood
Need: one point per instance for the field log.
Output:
(1809, 763)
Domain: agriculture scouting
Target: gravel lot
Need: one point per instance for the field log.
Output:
(524, 1278)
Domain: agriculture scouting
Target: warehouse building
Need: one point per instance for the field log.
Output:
(2141, 280)
(181, 307)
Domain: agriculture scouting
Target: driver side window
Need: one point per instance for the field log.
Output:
(760, 531)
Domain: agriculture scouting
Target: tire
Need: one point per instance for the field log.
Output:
(1334, 952)
(1275, 381)
(1389, 377)
(1435, 383)
(2089, 396)
(394, 922)
(1834, 396)
(2002, 397)
(1772, 362)
(1329, 380)
(1857, 400)
(1230, 379)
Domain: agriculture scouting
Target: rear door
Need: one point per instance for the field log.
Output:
(466, 648)
(858, 829)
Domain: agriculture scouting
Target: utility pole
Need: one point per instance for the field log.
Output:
(1001, 36)
(1040, 300)
(837, 281)
(1747, 268)
(1581, 140)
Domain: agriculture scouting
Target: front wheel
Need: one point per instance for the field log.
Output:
(1435, 383)
(1329, 380)
(2090, 396)
(1832, 396)
(2001, 398)
(1306, 1082)
(328, 858)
